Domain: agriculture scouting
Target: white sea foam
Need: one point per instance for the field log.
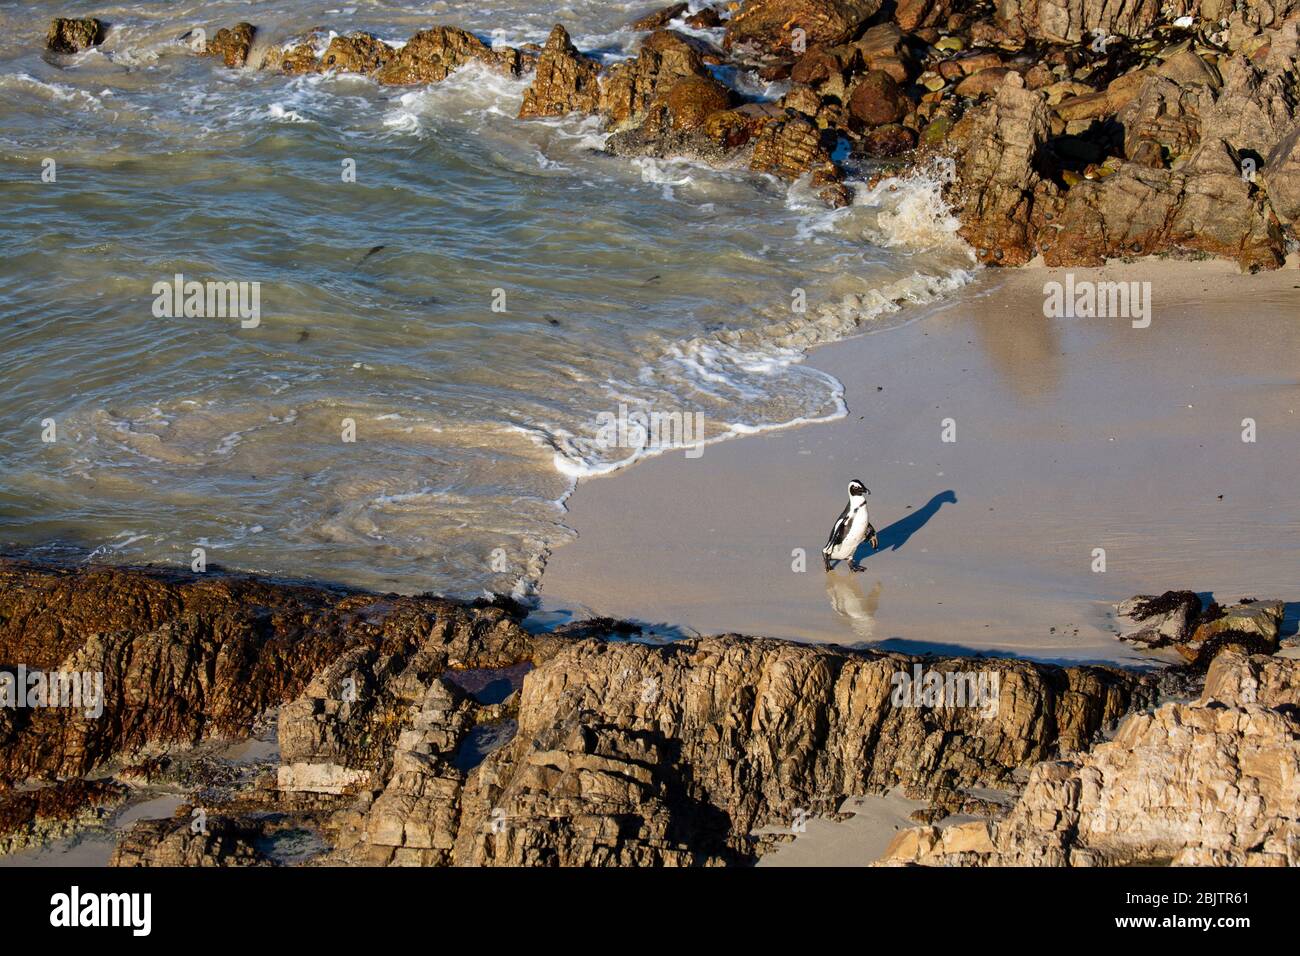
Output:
(56, 91)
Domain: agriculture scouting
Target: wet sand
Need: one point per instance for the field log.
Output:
(1072, 434)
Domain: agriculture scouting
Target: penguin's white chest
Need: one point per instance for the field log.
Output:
(858, 522)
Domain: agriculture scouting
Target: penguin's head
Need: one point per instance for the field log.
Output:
(857, 489)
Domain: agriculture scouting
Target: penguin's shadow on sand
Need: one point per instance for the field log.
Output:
(900, 532)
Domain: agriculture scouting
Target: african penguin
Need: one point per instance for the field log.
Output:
(852, 527)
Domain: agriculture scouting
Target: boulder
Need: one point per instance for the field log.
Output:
(996, 146)
(659, 18)
(232, 44)
(1251, 624)
(1073, 21)
(1166, 618)
(691, 100)
(888, 141)
(432, 55)
(631, 86)
(355, 53)
(1282, 175)
(911, 15)
(768, 26)
(876, 100)
(1211, 783)
(982, 83)
(72, 36)
(566, 80)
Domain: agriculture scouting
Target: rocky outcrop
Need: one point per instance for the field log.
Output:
(432, 55)
(355, 53)
(72, 36)
(911, 15)
(179, 841)
(659, 18)
(566, 81)
(637, 755)
(1199, 634)
(1212, 783)
(1001, 192)
(793, 147)
(631, 87)
(232, 44)
(1071, 21)
(769, 26)
(417, 731)
(187, 657)
(429, 56)
(35, 816)
(634, 754)
(1080, 130)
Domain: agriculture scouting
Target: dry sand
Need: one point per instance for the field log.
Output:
(1072, 434)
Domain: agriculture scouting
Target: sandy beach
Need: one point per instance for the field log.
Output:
(1072, 434)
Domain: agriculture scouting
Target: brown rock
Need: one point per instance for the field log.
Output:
(706, 19)
(186, 657)
(172, 842)
(631, 86)
(1282, 173)
(1162, 121)
(911, 15)
(691, 100)
(890, 140)
(1141, 211)
(432, 55)
(72, 36)
(1072, 21)
(876, 100)
(996, 146)
(355, 53)
(1188, 69)
(32, 817)
(982, 83)
(232, 44)
(769, 25)
(818, 65)
(659, 18)
(1211, 783)
(566, 80)
(1090, 106)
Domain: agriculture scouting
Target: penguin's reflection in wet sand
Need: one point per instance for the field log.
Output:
(847, 599)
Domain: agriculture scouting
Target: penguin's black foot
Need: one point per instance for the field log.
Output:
(875, 543)
(854, 566)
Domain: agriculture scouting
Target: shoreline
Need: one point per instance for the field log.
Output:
(669, 543)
